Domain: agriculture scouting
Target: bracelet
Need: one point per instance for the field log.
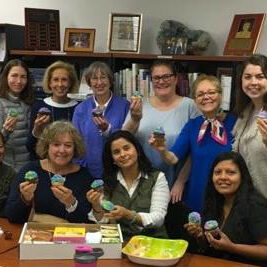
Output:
(134, 219)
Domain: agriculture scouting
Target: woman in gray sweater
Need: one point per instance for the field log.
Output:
(16, 96)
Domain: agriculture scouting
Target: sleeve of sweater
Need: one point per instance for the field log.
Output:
(16, 210)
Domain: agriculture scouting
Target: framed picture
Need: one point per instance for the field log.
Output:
(244, 34)
(79, 40)
(125, 32)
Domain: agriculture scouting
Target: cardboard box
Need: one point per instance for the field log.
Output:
(37, 250)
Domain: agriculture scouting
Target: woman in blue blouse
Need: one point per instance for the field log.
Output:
(95, 128)
(203, 138)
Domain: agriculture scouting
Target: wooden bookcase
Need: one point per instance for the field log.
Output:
(186, 63)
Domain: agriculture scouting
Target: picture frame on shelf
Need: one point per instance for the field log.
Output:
(125, 32)
(244, 34)
(79, 40)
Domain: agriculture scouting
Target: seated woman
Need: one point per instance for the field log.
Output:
(139, 192)
(241, 213)
(7, 174)
(59, 143)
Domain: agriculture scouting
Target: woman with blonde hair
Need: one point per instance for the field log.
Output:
(60, 78)
(58, 144)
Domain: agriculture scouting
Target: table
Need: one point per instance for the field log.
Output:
(11, 257)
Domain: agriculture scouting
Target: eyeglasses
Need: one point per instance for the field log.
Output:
(165, 77)
(101, 79)
(209, 94)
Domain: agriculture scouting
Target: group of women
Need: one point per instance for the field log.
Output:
(194, 163)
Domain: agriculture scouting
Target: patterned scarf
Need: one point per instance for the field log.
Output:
(218, 132)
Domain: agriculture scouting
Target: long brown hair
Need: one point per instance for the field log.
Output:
(27, 94)
(242, 100)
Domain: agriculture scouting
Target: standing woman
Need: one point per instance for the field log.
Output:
(165, 109)
(94, 129)
(16, 96)
(251, 132)
(60, 78)
(204, 138)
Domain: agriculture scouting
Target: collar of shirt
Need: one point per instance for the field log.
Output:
(106, 104)
(131, 190)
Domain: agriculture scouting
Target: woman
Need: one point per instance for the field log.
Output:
(203, 138)
(16, 96)
(250, 132)
(58, 144)
(240, 211)
(139, 192)
(165, 109)
(94, 129)
(59, 79)
(7, 174)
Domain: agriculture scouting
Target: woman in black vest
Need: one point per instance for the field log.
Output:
(139, 192)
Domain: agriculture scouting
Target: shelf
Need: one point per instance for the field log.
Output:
(128, 55)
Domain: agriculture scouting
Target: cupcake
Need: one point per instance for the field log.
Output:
(212, 227)
(159, 135)
(262, 115)
(57, 179)
(13, 113)
(44, 111)
(98, 112)
(107, 205)
(194, 218)
(97, 184)
(136, 96)
(31, 177)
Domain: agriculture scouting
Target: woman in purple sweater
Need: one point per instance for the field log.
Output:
(99, 115)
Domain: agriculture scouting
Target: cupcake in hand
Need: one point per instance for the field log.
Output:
(107, 205)
(57, 180)
(194, 218)
(159, 135)
(212, 227)
(31, 177)
(98, 112)
(97, 185)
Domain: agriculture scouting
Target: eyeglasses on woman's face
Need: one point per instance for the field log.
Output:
(209, 94)
(165, 77)
(102, 78)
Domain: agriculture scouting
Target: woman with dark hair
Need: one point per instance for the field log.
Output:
(251, 131)
(240, 211)
(99, 115)
(139, 192)
(164, 109)
(60, 78)
(16, 96)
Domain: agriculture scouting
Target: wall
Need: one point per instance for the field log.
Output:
(213, 16)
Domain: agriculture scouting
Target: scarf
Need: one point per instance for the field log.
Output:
(218, 132)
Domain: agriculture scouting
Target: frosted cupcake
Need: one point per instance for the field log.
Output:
(13, 113)
(159, 135)
(57, 179)
(98, 112)
(31, 177)
(107, 205)
(212, 227)
(97, 185)
(44, 111)
(194, 218)
(136, 96)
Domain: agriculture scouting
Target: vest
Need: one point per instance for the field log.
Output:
(139, 202)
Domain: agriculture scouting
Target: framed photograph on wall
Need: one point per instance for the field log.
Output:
(125, 32)
(244, 34)
(79, 40)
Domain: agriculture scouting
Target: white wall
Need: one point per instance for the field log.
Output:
(213, 16)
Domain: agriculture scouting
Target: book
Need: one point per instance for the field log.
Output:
(69, 234)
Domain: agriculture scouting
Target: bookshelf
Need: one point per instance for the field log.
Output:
(119, 61)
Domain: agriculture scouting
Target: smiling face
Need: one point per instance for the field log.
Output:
(124, 154)
(17, 80)
(61, 151)
(207, 98)
(59, 84)
(254, 82)
(100, 84)
(164, 81)
(226, 178)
